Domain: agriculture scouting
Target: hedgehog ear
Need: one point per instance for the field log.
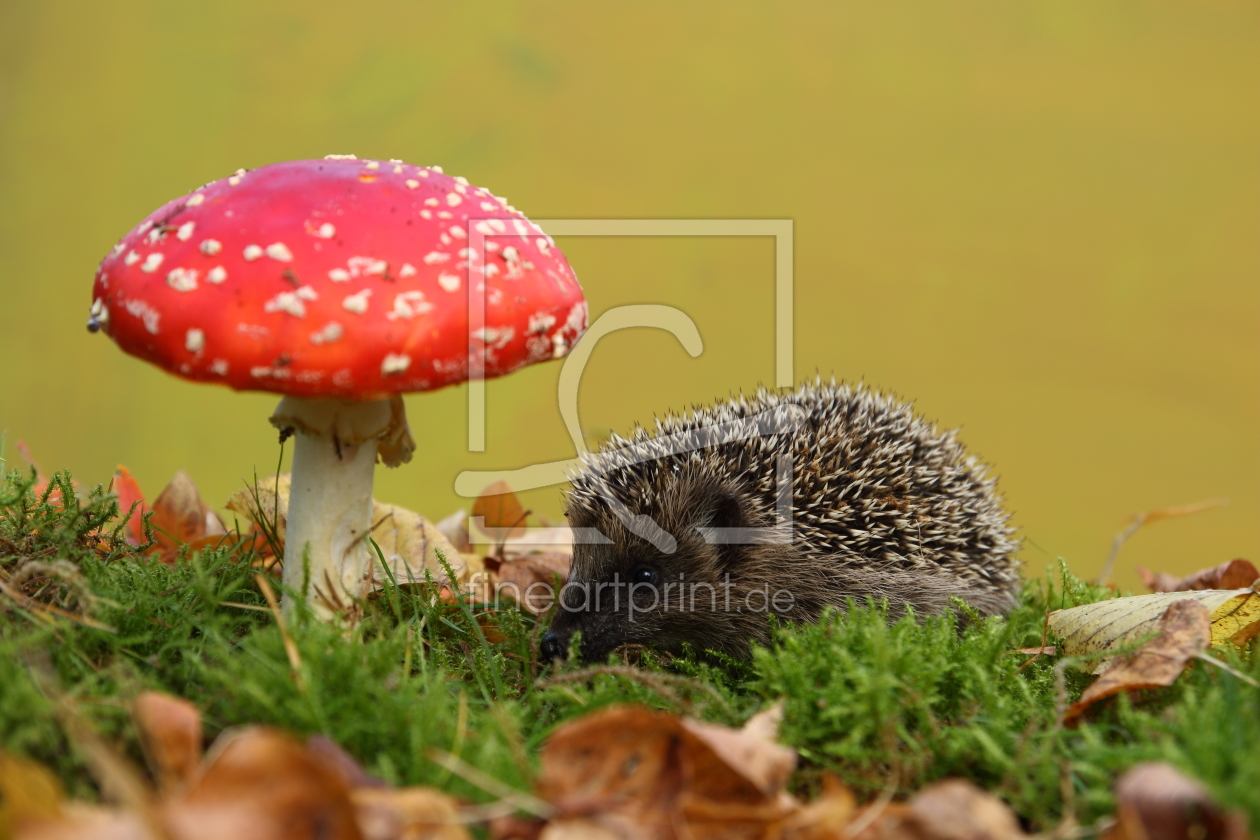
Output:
(725, 512)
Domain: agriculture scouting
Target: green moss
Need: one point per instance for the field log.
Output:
(877, 704)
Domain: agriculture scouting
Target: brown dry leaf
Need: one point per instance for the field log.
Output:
(261, 784)
(637, 773)
(826, 817)
(170, 734)
(1184, 632)
(1108, 625)
(455, 528)
(413, 813)
(180, 517)
(951, 809)
(1236, 574)
(1158, 802)
(619, 763)
(501, 513)
(533, 580)
(955, 809)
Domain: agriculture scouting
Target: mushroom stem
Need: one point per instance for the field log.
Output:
(330, 515)
(326, 557)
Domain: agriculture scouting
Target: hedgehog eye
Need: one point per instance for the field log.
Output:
(644, 574)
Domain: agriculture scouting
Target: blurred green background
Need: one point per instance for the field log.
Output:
(1040, 220)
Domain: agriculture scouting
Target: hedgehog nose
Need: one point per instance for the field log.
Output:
(553, 647)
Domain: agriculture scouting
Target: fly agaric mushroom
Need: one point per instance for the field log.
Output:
(342, 284)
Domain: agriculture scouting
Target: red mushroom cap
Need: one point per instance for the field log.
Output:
(337, 278)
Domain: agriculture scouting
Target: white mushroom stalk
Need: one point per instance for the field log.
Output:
(336, 445)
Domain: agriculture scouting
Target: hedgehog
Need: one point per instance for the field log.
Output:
(786, 503)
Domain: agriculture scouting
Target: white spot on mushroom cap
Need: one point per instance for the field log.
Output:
(210, 247)
(366, 265)
(408, 305)
(395, 363)
(340, 157)
(145, 313)
(488, 206)
(194, 341)
(132, 258)
(216, 275)
(252, 252)
(431, 202)
(458, 232)
(118, 249)
(152, 262)
(279, 252)
(411, 183)
(544, 247)
(453, 199)
(435, 257)
(491, 269)
(339, 275)
(329, 333)
(442, 214)
(194, 200)
(185, 231)
(407, 270)
(511, 254)
(182, 279)
(156, 235)
(426, 214)
(372, 164)
(327, 230)
(99, 312)
(463, 182)
(291, 302)
(449, 282)
(357, 302)
(541, 322)
(219, 367)
(437, 169)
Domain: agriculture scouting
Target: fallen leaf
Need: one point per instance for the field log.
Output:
(180, 517)
(130, 501)
(533, 580)
(455, 529)
(633, 772)
(414, 813)
(170, 734)
(1184, 632)
(1155, 801)
(1116, 623)
(955, 809)
(29, 792)
(826, 817)
(498, 512)
(411, 546)
(259, 784)
(1236, 574)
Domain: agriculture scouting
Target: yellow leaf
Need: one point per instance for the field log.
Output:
(28, 791)
(1123, 622)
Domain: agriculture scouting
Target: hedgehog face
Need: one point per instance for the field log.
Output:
(663, 578)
